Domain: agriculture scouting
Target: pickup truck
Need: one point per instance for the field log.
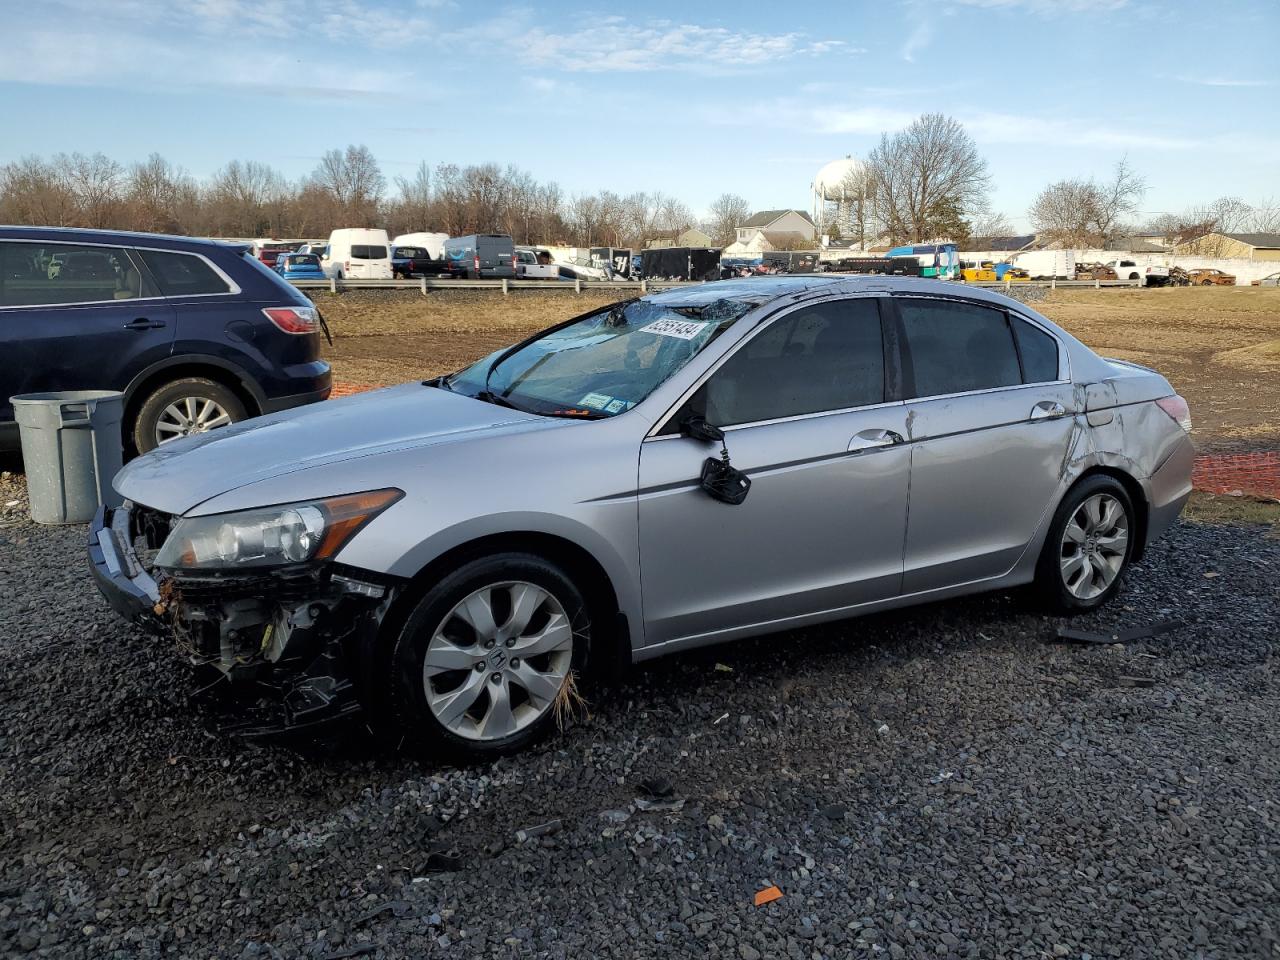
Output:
(410, 262)
(1153, 276)
(535, 265)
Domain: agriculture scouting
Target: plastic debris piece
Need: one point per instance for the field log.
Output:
(656, 787)
(1118, 636)
(724, 668)
(442, 861)
(615, 816)
(540, 830)
(1126, 681)
(661, 806)
(397, 908)
(768, 895)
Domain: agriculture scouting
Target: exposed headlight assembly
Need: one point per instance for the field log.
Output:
(271, 536)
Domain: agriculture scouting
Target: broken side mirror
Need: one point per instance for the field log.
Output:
(720, 479)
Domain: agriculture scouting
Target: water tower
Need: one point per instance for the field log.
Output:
(840, 197)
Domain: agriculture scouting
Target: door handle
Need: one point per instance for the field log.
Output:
(1048, 410)
(142, 323)
(871, 439)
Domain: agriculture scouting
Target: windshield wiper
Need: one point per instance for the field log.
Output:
(488, 396)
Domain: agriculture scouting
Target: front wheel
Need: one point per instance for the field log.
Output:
(487, 658)
(1088, 547)
(182, 408)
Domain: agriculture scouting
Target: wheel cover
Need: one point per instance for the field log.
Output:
(190, 415)
(1095, 542)
(498, 660)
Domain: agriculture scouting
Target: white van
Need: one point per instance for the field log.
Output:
(358, 254)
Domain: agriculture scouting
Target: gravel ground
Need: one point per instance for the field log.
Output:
(932, 783)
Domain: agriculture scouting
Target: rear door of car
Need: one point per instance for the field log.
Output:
(992, 422)
(91, 327)
(811, 412)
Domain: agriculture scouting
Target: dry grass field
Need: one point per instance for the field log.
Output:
(1219, 346)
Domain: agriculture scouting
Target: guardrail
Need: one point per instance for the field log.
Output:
(334, 285)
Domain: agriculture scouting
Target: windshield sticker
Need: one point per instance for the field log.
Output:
(680, 329)
(617, 406)
(595, 401)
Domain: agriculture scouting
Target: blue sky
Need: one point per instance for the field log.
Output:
(689, 99)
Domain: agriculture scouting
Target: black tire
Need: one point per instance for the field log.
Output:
(1206, 283)
(143, 430)
(1050, 586)
(400, 697)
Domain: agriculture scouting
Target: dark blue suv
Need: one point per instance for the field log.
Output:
(196, 333)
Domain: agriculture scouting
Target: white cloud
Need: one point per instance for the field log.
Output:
(615, 45)
(1020, 128)
(1226, 82)
(1048, 7)
(918, 39)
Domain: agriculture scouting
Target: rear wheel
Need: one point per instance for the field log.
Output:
(484, 657)
(1088, 547)
(183, 408)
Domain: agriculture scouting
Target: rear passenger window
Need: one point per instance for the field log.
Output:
(182, 274)
(360, 252)
(1039, 352)
(33, 274)
(958, 347)
(825, 357)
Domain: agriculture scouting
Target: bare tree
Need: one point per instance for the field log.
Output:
(97, 182)
(34, 191)
(1117, 198)
(160, 197)
(728, 213)
(1084, 213)
(930, 167)
(990, 224)
(354, 181)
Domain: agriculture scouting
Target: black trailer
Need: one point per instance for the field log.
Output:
(892, 266)
(792, 261)
(680, 263)
(616, 261)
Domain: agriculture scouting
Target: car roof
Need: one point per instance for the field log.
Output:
(762, 290)
(125, 237)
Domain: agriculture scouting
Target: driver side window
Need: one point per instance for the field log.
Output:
(825, 357)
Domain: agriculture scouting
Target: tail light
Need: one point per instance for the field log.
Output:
(1177, 409)
(476, 260)
(513, 263)
(298, 320)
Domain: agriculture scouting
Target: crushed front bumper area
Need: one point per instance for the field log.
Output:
(292, 637)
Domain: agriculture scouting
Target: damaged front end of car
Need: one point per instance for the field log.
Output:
(255, 597)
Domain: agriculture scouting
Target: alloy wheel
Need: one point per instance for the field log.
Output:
(190, 415)
(498, 660)
(1094, 546)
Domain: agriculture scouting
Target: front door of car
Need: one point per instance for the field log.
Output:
(992, 423)
(807, 415)
(75, 318)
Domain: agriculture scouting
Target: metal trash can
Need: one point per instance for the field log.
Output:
(71, 450)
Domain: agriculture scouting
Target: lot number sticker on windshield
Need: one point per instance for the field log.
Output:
(595, 401)
(680, 329)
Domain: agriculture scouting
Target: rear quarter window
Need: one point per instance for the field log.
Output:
(183, 274)
(1039, 352)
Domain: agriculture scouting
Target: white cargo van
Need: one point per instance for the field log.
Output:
(358, 254)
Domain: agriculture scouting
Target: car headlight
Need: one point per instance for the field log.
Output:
(271, 536)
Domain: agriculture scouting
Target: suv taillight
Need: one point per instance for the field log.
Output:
(297, 320)
(1178, 409)
(513, 263)
(476, 260)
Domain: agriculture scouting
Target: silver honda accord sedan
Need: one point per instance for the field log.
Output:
(690, 467)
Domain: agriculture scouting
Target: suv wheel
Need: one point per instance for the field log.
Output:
(184, 408)
(482, 660)
(1088, 548)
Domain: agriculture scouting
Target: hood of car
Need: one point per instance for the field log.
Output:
(182, 474)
